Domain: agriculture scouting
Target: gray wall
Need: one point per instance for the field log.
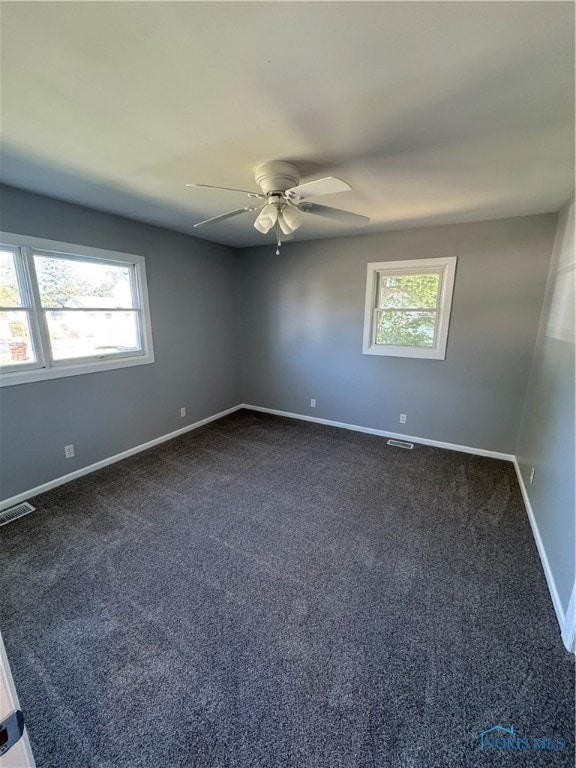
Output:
(302, 318)
(547, 435)
(193, 302)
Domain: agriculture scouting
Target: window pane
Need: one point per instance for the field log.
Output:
(15, 342)
(90, 334)
(410, 291)
(405, 329)
(73, 283)
(9, 290)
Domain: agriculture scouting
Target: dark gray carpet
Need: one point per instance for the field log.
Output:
(267, 592)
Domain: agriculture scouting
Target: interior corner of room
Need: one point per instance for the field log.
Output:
(275, 314)
(281, 330)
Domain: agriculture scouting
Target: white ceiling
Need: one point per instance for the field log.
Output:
(434, 112)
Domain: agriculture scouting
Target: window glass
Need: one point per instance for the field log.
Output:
(92, 334)
(85, 291)
(406, 306)
(9, 290)
(410, 291)
(406, 328)
(15, 340)
(83, 284)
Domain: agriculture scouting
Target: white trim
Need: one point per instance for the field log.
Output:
(384, 433)
(566, 620)
(25, 751)
(58, 247)
(446, 268)
(6, 503)
(46, 374)
(569, 628)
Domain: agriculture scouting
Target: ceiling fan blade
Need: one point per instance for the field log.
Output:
(328, 186)
(237, 212)
(230, 189)
(345, 217)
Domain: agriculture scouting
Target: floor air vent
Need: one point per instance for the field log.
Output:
(15, 512)
(401, 444)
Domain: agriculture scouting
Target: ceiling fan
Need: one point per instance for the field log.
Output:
(282, 200)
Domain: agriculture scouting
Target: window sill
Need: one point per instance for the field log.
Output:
(73, 369)
(422, 353)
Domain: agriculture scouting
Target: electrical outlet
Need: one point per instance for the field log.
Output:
(182, 412)
(312, 403)
(402, 418)
(69, 451)
(532, 473)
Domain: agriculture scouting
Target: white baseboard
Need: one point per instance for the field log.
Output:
(6, 503)
(384, 433)
(566, 620)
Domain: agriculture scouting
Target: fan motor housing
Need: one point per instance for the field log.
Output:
(277, 176)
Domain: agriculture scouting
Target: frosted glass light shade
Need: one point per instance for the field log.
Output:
(292, 217)
(286, 229)
(266, 218)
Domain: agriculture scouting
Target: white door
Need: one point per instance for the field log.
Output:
(20, 756)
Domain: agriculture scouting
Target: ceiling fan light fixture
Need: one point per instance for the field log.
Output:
(284, 200)
(284, 226)
(266, 218)
(292, 217)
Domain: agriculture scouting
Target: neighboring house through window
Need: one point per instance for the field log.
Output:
(407, 309)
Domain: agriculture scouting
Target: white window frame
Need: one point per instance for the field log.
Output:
(446, 268)
(44, 367)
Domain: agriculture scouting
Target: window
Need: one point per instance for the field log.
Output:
(66, 310)
(408, 307)
(17, 349)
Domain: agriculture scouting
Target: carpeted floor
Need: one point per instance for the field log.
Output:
(264, 592)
